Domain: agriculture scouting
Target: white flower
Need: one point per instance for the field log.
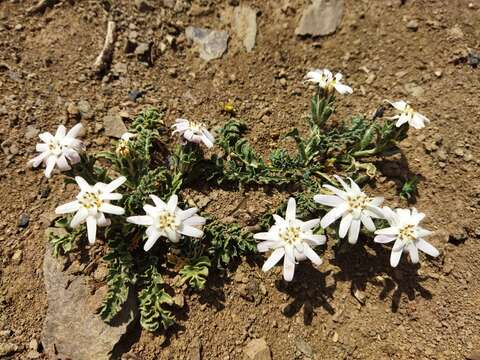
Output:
(406, 232)
(194, 132)
(122, 146)
(92, 203)
(353, 206)
(408, 115)
(325, 80)
(56, 150)
(290, 238)
(168, 220)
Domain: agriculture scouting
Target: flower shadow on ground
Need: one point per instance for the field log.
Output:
(361, 267)
(398, 170)
(309, 293)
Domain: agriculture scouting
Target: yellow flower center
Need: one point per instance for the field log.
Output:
(55, 147)
(166, 221)
(358, 202)
(90, 200)
(290, 235)
(407, 234)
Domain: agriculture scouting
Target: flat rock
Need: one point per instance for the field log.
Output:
(7, 349)
(71, 325)
(257, 349)
(321, 18)
(245, 25)
(114, 126)
(414, 89)
(211, 44)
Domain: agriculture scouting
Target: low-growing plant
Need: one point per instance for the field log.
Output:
(151, 173)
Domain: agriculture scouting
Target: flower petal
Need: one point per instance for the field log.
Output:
(158, 202)
(288, 268)
(311, 255)
(427, 248)
(273, 259)
(82, 183)
(68, 207)
(269, 236)
(37, 160)
(111, 209)
(345, 225)
(113, 185)
(61, 131)
(79, 217)
(336, 191)
(395, 258)
(91, 229)
(314, 239)
(62, 163)
(368, 223)
(46, 137)
(185, 214)
(392, 231)
(333, 215)
(195, 220)
(310, 224)
(354, 231)
(153, 236)
(383, 239)
(328, 200)
(51, 161)
(412, 249)
(144, 220)
(75, 131)
(291, 211)
(191, 231)
(172, 203)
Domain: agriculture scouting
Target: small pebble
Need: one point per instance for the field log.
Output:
(24, 220)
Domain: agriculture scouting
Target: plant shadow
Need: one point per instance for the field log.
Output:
(398, 170)
(360, 267)
(309, 293)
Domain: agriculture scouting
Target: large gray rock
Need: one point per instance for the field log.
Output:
(320, 18)
(71, 326)
(211, 44)
(245, 25)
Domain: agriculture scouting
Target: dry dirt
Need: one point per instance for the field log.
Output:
(353, 306)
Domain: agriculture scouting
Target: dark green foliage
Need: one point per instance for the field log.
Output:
(63, 242)
(227, 241)
(153, 298)
(409, 188)
(120, 279)
(196, 272)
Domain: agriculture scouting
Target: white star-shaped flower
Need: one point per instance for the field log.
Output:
(406, 114)
(92, 203)
(325, 80)
(194, 132)
(408, 235)
(353, 206)
(292, 239)
(168, 220)
(59, 150)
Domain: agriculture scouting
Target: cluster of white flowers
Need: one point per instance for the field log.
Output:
(289, 238)
(293, 238)
(330, 83)
(93, 201)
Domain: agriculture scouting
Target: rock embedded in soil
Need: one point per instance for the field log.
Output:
(7, 349)
(143, 6)
(412, 25)
(257, 349)
(211, 44)
(114, 126)
(70, 315)
(245, 25)
(321, 18)
(23, 221)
